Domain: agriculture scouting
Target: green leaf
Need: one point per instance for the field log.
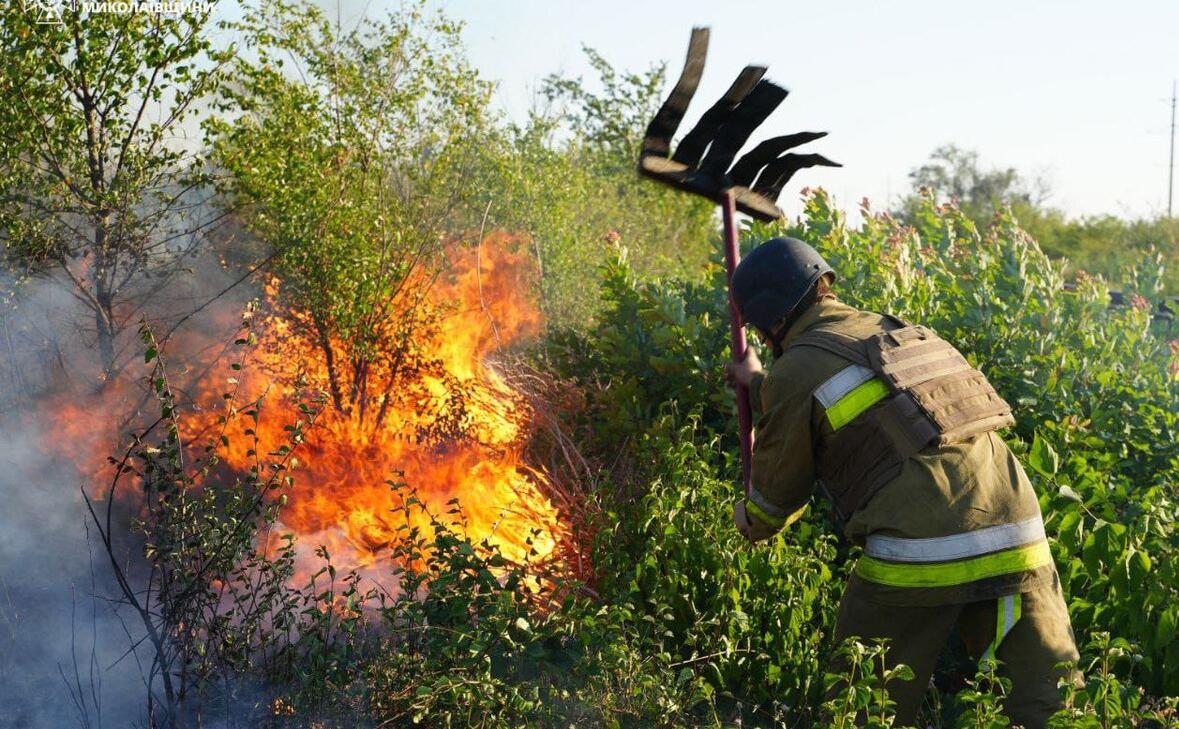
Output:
(1165, 631)
(1042, 458)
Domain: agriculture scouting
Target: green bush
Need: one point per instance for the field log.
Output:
(1097, 402)
(655, 354)
(750, 620)
(1089, 382)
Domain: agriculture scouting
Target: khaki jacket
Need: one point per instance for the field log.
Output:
(943, 490)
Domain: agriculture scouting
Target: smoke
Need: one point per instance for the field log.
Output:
(59, 640)
(73, 655)
(68, 656)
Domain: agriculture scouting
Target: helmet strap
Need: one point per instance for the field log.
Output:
(809, 299)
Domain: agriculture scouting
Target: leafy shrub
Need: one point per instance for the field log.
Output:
(1094, 387)
(654, 355)
(749, 619)
(981, 702)
(1108, 700)
(858, 696)
(473, 640)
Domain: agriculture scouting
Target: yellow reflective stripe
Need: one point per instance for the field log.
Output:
(761, 515)
(774, 521)
(948, 574)
(856, 402)
(1007, 613)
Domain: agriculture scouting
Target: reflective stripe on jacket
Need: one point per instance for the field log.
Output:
(956, 559)
(954, 494)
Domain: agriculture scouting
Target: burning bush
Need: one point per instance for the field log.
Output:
(258, 488)
(439, 418)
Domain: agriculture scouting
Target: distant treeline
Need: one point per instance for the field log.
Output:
(1104, 244)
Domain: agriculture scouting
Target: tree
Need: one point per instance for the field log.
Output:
(615, 119)
(95, 182)
(567, 178)
(348, 151)
(1105, 244)
(955, 173)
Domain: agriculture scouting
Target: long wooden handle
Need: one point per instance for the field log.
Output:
(737, 338)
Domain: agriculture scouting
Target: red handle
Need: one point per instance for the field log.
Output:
(737, 338)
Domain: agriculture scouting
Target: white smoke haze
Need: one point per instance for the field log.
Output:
(58, 631)
(66, 657)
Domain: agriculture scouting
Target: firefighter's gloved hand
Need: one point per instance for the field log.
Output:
(742, 372)
(750, 528)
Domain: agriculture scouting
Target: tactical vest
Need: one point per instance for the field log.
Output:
(907, 389)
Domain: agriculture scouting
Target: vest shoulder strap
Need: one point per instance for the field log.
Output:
(842, 345)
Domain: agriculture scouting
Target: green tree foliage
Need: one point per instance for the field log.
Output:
(1097, 404)
(93, 184)
(1104, 244)
(567, 179)
(348, 150)
(657, 351)
(613, 120)
(953, 173)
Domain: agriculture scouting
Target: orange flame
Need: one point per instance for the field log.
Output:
(450, 427)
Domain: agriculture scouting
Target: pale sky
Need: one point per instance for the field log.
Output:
(1076, 91)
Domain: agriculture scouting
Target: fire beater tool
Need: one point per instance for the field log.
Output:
(703, 164)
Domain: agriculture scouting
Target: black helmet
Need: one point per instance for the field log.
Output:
(774, 278)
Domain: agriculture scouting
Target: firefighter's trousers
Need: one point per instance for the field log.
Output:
(1039, 638)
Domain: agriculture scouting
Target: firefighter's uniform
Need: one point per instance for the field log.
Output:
(950, 525)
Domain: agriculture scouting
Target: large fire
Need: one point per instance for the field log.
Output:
(448, 428)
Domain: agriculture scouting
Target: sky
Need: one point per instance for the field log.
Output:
(1076, 92)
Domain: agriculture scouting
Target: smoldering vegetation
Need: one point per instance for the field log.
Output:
(67, 655)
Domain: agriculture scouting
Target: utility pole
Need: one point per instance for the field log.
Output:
(1171, 173)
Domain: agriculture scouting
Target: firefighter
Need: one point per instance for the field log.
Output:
(900, 432)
